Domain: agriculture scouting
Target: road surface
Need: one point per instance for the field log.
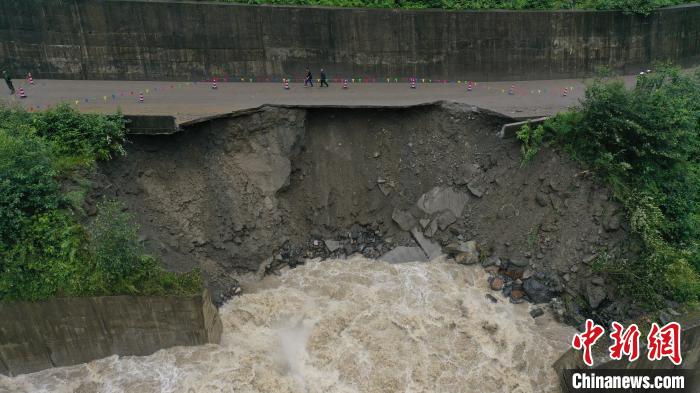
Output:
(189, 100)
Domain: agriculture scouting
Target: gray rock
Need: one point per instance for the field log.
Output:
(443, 198)
(404, 254)
(597, 281)
(403, 219)
(491, 261)
(424, 222)
(457, 247)
(558, 308)
(595, 295)
(431, 249)
(542, 199)
(332, 245)
(469, 254)
(445, 219)
(431, 229)
(536, 312)
(536, 291)
(476, 189)
(518, 262)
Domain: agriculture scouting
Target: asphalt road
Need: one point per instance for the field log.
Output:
(189, 100)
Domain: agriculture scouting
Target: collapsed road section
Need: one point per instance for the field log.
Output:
(247, 192)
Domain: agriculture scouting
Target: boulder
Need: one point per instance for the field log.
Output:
(445, 219)
(476, 189)
(496, 284)
(332, 245)
(431, 249)
(404, 254)
(403, 219)
(536, 291)
(518, 263)
(454, 248)
(595, 295)
(443, 198)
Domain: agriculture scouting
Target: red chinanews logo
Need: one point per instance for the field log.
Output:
(662, 342)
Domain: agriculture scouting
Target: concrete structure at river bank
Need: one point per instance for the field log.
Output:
(66, 331)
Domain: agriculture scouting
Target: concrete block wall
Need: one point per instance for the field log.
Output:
(188, 40)
(66, 331)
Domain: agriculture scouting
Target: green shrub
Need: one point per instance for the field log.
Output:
(50, 258)
(531, 141)
(27, 184)
(88, 136)
(44, 250)
(645, 143)
(121, 259)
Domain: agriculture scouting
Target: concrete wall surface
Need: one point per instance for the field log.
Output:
(65, 331)
(186, 40)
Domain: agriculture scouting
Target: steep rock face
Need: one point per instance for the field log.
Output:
(208, 196)
(273, 186)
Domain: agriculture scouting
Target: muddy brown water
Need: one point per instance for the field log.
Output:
(355, 325)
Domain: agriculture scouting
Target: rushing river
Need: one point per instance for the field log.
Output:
(345, 326)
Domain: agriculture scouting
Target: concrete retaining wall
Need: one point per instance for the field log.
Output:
(66, 331)
(168, 40)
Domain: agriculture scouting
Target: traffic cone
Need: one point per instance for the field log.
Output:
(469, 86)
(22, 94)
(140, 98)
(511, 91)
(286, 84)
(413, 83)
(566, 92)
(29, 78)
(213, 84)
(345, 83)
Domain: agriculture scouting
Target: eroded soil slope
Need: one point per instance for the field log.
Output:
(250, 191)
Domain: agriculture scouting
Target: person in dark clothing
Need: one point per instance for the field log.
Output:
(8, 80)
(309, 79)
(323, 78)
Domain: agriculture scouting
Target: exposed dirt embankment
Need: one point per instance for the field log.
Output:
(261, 188)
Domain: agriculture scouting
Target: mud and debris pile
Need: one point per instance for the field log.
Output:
(252, 191)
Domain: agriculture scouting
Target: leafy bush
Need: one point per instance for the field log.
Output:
(531, 139)
(121, 259)
(50, 258)
(27, 184)
(645, 142)
(44, 250)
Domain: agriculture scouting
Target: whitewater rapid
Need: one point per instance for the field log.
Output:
(352, 325)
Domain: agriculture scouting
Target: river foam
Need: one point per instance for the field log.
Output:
(352, 325)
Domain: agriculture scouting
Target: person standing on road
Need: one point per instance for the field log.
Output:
(8, 80)
(323, 78)
(308, 79)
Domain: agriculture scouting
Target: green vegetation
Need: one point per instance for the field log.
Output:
(645, 144)
(634, 6)
(45, 249)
